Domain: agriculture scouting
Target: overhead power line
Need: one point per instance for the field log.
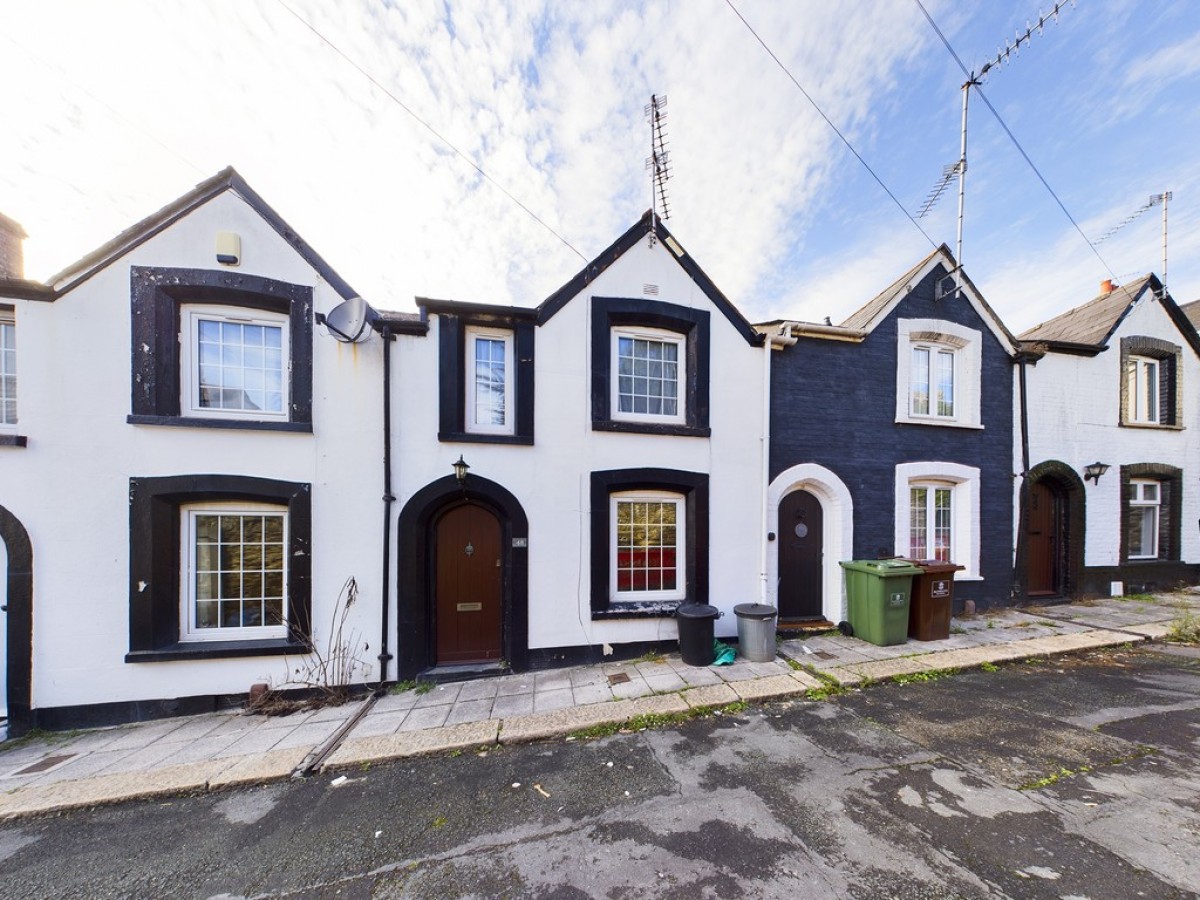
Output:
(433, 131)
(829, 122)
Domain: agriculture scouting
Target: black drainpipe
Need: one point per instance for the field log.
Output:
(388, 499)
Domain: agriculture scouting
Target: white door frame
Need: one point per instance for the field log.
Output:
(837, 537)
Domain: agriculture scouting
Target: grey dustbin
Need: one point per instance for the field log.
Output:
(756, 631)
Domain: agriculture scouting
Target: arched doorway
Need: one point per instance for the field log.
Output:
(1053, 531)
(16, 574)
(461, 545)
(468, 585)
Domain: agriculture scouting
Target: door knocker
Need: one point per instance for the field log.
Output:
(470, 549)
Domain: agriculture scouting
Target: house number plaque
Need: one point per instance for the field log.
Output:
(520, 542)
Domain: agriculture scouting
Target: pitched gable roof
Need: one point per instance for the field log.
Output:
(627, 241)
(1093, 323)
(867, 317)
(1192, 311)
(225, 180)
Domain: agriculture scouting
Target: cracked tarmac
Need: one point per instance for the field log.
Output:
(1066, 778)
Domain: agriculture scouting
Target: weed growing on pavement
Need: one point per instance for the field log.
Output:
(989, 667)
(646, 721)
(919, 677)
(1139, 598)
(991, 623)
(37, 734)
(403, 687)
(651, 656)
(423, 687)
(1185, 629)
(440, 821)
(958, 629)
(1064, 772)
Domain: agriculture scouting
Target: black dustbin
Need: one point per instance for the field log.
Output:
(696, 632)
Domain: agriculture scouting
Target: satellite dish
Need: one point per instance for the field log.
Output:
(351, 320)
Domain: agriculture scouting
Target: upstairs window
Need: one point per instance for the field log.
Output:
(1145, 498)
(234, 363)
(1151, 377)
(489, 381)
(8, 368)
(649, 369)
(938, 373)
(932, 381)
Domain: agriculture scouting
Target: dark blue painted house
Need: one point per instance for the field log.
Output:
(892, 435)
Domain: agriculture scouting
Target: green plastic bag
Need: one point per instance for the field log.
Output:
(723, 654)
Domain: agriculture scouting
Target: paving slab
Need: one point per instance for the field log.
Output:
(805, 680)
(519, 729)
(768, 688)
(430, 717)
(710, 695)
(415, 743)
(890, 668)
(261, 767)
(107, 789)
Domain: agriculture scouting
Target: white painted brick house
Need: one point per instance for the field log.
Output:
(1114, 382)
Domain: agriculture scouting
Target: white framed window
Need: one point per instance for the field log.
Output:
(234, 363)
(931, 522)
(1142, 386)
(234, 572)
(648, 546)
(489, 381)
(8, 368)
(1145, 500)
(937, 514)
(938, 373)
(931, 381)
(649, 371)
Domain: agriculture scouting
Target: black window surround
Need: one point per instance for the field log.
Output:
(452, 387)
(693, 324)
(154, 564)
(693, 486)
(157, 297)
(1170, 384)
(1170, 508)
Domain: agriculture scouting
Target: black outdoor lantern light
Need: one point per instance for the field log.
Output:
(1094, 471)
(460, 471)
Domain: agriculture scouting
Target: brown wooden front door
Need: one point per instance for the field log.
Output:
(800, 557)
(1045, 534)
(469, 585)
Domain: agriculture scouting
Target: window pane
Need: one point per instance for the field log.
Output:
(238, 579)
(239, 366)
(942, 524)
(1150, 389)
(647, 376)
(919, 380)
(917, 528)
(490, 379)
(8, 373)
(646, 538)
(945, 383)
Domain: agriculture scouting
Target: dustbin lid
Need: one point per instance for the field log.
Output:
(696, 611)
(755, 611)
(881, 567)
(936, 566)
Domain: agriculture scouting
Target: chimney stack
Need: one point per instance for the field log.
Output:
(1106, 286)
(12, 257)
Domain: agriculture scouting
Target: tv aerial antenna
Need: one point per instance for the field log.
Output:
(1163, 199)
(658, 163)
(958, 169)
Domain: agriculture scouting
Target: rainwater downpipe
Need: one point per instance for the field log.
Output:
(1023, 490)
(384, 656)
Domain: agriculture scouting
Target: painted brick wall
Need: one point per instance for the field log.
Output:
(834, 403)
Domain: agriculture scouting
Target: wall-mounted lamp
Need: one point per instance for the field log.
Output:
(460, 471)
(1094, 471)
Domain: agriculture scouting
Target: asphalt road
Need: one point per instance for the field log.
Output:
(1068, 778)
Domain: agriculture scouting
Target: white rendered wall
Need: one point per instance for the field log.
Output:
(1074, 410)
(551, 479)
(70, 486)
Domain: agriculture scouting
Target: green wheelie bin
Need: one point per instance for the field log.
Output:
(878, 592)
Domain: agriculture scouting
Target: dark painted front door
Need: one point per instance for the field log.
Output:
(800, 557)
(1045, 535)
(469, 586)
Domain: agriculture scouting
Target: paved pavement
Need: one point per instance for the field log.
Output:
(48, 772)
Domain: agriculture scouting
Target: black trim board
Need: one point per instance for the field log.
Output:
(154, 558)
(157, 296)
(626, 242)
(415, 565)
(14, 440)
(694, 488)
(19, 648)
(693, 324)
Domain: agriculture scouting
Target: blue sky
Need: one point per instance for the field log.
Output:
(123, 106)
